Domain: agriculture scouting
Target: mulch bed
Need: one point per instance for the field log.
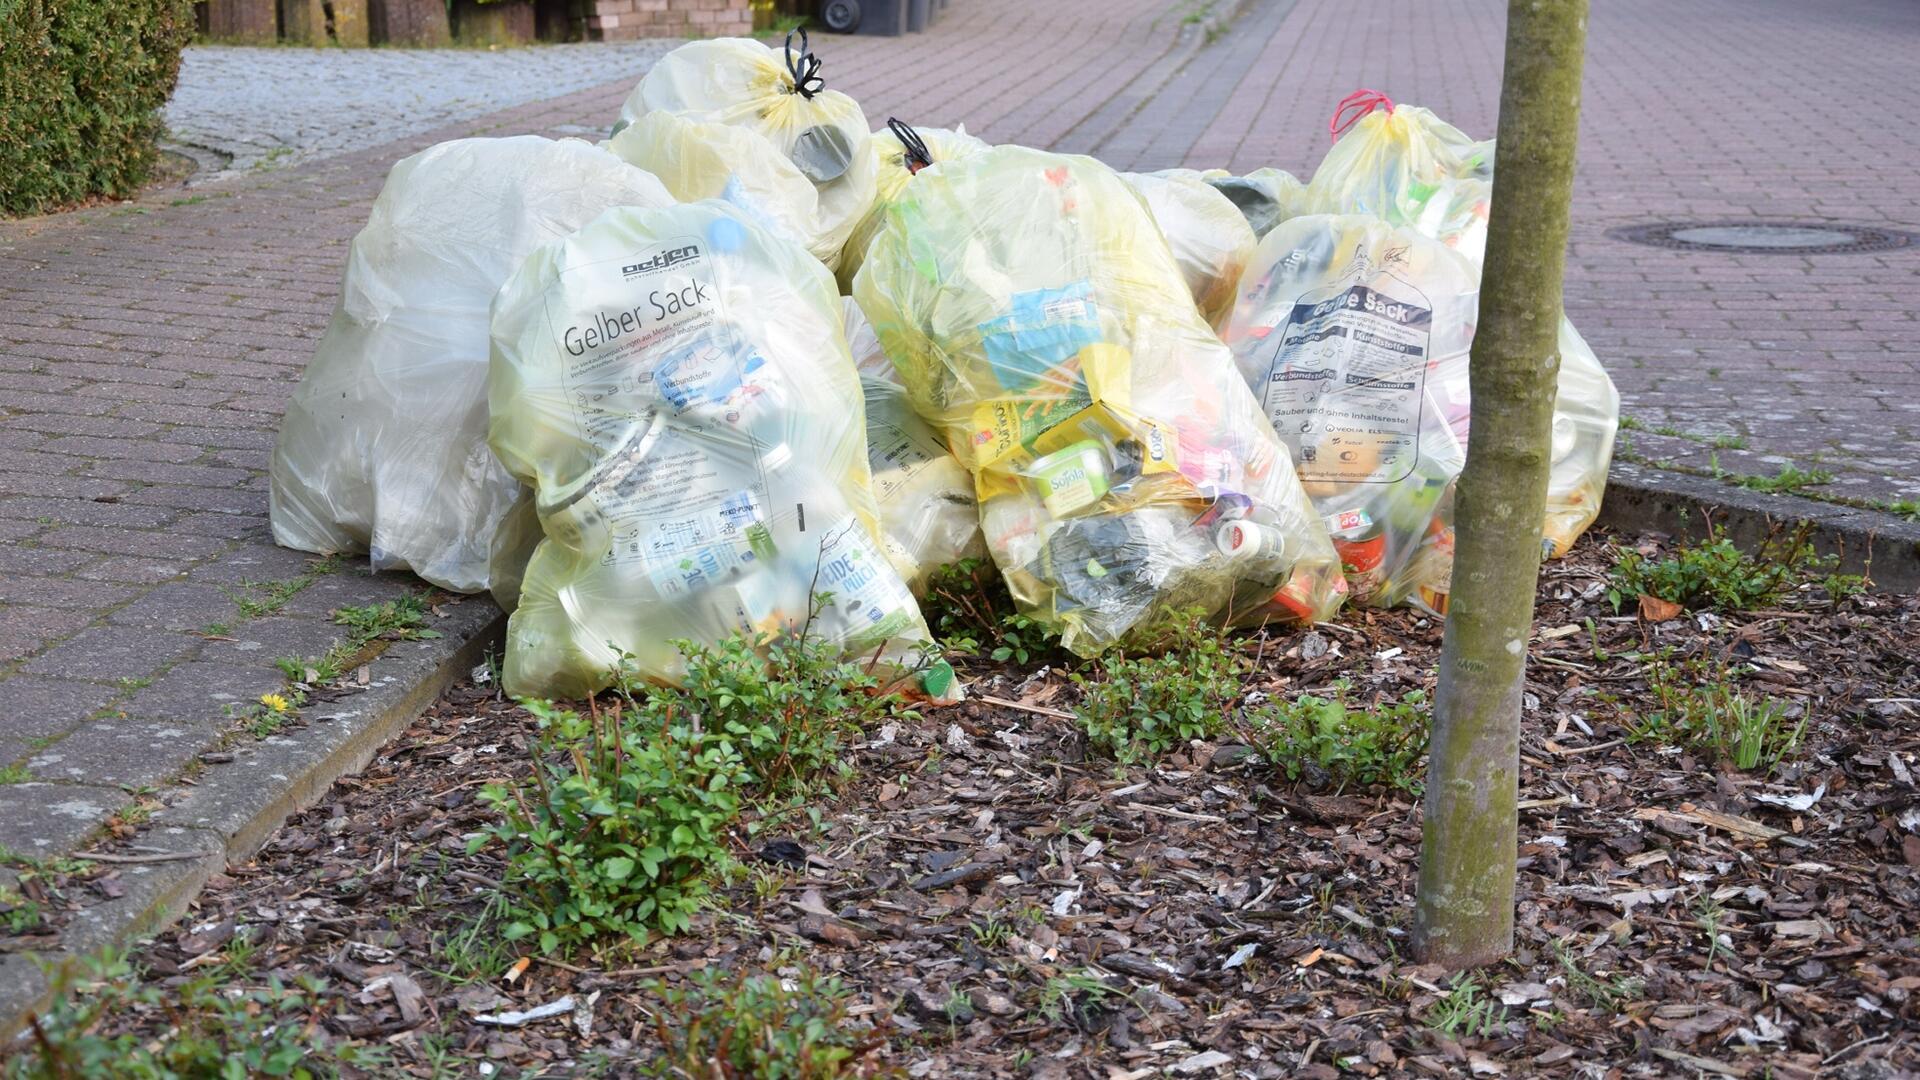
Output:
(1003, 905)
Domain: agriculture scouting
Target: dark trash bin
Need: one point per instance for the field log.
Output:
(884, 17)
(919, 13)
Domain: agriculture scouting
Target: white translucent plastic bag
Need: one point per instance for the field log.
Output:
(1265, 197)
(675, 386)
(1210, 238)
(383, 447)
(928, 513)
(779, 97)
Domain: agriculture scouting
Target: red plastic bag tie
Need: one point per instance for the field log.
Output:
(1360, 103)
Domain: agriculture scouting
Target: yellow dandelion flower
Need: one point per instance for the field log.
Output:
(276, 703)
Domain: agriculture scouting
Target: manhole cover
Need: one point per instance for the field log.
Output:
(1765, 237)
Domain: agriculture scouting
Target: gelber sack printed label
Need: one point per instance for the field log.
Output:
(1345, 386)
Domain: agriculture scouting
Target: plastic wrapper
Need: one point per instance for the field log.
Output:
(928, 514)
(1355, 335)
(1265, 197)
(1038, 320)
(898, 152)
(1389, 158)
(779, 98)
(1211, 240)
(383, 448)
(676, 388)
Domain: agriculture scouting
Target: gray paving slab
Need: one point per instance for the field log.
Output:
(42, 820)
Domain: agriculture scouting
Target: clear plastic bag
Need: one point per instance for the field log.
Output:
(675, 386)
(383, 446)
(1389, 158)
(1355, 335)
(1037, 319)
(779, 97)
(928, 514)
(898, 152)
(1265, 197)
(1210, 238)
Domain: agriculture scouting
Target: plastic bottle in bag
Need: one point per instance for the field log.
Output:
(781, 98)
(675, 386)
(383, 447)
(1037, 319)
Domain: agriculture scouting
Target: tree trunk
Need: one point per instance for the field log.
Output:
(349, 23)
(1463, 916)
(303, 22)
(411, 23)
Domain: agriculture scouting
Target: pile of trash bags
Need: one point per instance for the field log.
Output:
(750, 367)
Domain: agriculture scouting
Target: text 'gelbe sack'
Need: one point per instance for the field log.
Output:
(781, 99)
(1037, 319)
(675, 386)
(383, 448)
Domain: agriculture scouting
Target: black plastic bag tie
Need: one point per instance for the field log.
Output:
(806, 68)
(917, 157)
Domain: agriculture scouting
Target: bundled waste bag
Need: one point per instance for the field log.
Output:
(928, 514)
(899, 152)
(1211, 240)
(1390, 158)
(383, 448)
(780, 99)
(1038, 320)
(1354, 333)
(1265, 197)
(676, 388)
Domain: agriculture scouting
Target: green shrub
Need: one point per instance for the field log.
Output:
(1695, 704)
(762, 1026)
(1715, 573)
(1378, 745)
(1137, 708)
(615, 831)
(971, 613)
(81, 86)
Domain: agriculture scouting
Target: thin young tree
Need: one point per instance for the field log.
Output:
(1463, 916)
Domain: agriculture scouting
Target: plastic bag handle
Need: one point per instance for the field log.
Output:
(917, 156)
(806, 70)
(1360, 102)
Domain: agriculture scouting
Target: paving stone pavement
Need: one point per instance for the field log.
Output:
(147, 350)
(274, 107)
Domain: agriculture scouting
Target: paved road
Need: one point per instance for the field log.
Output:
(146, 351)
(257, 108)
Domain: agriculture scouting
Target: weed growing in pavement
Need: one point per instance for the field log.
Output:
(115, 1023)
(1695, 704)
(15, 774)
(615, 830)
(1464, 1011)
(1785, 482)
(19, 914)
(1138, 708)
(1382, 744)
(1715, 573)
(972, 614)
(1604, 995)
(791, 1026)
(402, 619)
(1729, 442)
(259, 598)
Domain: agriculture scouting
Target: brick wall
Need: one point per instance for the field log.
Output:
(624, 20)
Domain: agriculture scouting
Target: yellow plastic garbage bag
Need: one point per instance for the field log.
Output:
(1038, 320)
(676, 388)
(1389, 158)
(780, 97)
(383, 447)
(929, 516)
(1266, 197)
(1354, 333)
(1210, 238)
(898, 152)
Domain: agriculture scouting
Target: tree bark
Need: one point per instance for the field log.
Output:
(242, 22)
(1463, 916)
(501, 22)
(410, 23)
